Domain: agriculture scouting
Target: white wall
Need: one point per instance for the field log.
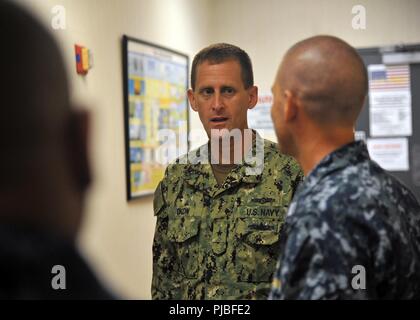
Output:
(117, 236)
(267, 28)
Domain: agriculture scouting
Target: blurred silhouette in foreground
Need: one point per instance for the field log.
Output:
(44, 170)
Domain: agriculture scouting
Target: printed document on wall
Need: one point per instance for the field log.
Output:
(390, 153)
(259, 118)
(389, 100)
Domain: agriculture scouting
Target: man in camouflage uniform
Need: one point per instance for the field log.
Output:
(218, 224)
(352, 230)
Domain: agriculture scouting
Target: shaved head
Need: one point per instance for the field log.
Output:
(329, 78)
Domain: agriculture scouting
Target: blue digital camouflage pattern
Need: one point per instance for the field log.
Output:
(349, 212)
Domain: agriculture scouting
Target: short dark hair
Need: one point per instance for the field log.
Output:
(221, 52)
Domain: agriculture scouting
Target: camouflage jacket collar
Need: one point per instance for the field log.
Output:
(345, 156)
(200, 176)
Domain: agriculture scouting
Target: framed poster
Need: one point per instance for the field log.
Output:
(155, 99)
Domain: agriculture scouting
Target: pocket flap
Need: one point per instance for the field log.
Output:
(264, 237)
(259, 231)
(183, 228)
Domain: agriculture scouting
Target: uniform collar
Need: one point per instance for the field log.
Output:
(200, 175)
(349, 154)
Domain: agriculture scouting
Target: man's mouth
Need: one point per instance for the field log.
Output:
(218, 119)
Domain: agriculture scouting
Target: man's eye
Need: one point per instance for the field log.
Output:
(207, 91)
(228, 91)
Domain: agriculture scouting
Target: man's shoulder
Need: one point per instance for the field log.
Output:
(358, 192)
(175, 169)
(187, 165)
(177, 166)
(276, 162)
(339, 191)
(271, 150)
(392, 187)
(368, 182)
(40, 250)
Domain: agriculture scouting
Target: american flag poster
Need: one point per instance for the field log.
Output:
(389, 100)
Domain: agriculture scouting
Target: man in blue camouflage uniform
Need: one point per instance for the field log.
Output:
(352, 230)
(218, 224)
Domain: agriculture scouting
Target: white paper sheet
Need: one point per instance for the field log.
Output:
(259, 118)
(391, 153)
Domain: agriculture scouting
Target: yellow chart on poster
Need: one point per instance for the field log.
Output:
(156, 100)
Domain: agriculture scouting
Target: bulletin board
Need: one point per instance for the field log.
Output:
(390, 119)
(155, 98)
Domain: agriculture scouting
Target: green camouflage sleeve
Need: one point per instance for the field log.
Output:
(165, 281)
(297, 177)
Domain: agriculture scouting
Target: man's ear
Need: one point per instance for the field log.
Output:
(77, 147)
(253, 97)
(191, 98)
(290, 106)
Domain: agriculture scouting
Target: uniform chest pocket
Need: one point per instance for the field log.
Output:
(257, 248)
(183, 232)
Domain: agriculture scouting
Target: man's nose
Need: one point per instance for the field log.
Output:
(217, 102)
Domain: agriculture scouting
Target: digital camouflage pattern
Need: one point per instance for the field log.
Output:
(222, 242)
(350, 212)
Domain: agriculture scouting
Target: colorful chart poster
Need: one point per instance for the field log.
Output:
(157, 83)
